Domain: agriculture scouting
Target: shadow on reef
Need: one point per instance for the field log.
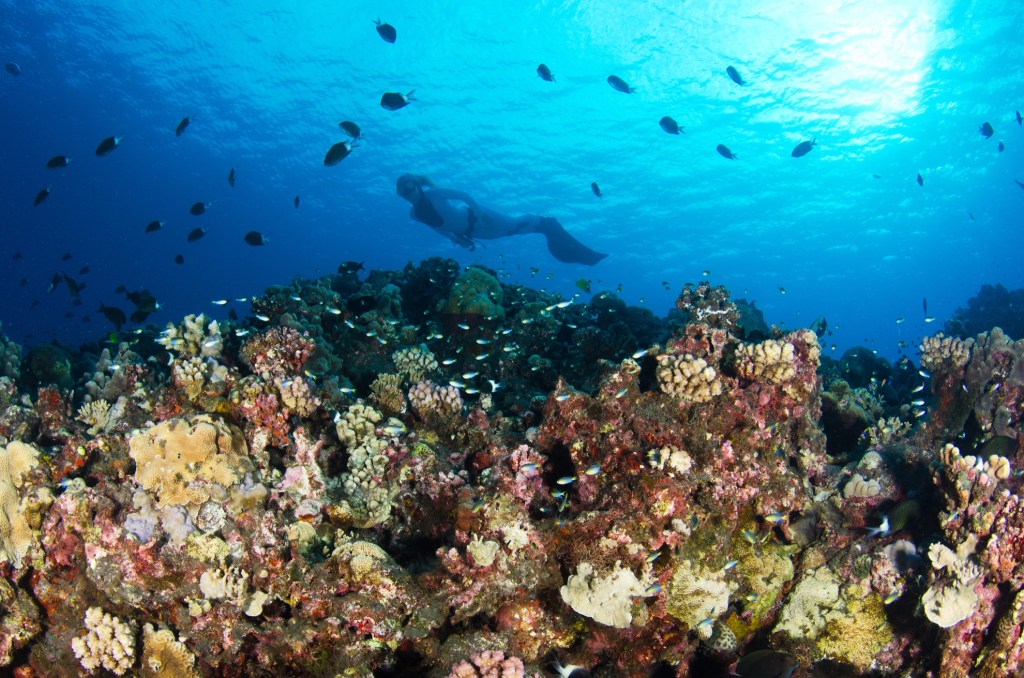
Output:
(431, 472)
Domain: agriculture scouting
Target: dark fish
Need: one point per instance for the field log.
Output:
(386, 31)
(178, 259)
(154, 226)
(804, 147)
(545, 73)
(15, 69)
(296, 202)
(596, 189)
(55, 282)
(724, 151)
(392, 101)
(1001, 147)
(766, 664)
(986, 130)
(114, 315)
(734, 75)
(231, 178)
(920, 179)
(1019, 183)
(58, 161)
(619, 84)
(1004, 446)
(16, 256)
(23, 282)
(143, 300)
(350, 266)
(670, 126)
(181, 126)
(350, 128)
(73, 287)
(197, 209)
(138, 316)
(337, 153)
(107, 145)
(66, 256)
(196, 234)
(1019, 119)
(83, 270)
(255, 238)
(41, 196)
(924, 305)
(820, 326)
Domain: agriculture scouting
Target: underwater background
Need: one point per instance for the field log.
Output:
(889, 91)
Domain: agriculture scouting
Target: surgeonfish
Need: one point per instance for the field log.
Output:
(255, 238)
(58, 161)
(41, 196)
(724, 151)
(180, 129)
(804, 147)
(619, 84)
(386, 31)
(107, 145)
(596, 189)
(734, 75)
(350, 128)
(544, 73)
(392, 101)
(198, 209)
(337, 153)
(671, 126)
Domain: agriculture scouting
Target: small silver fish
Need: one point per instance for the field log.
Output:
(620, 393)
(448, 361)
(333, 311)
(264, 318)
(917, 403)
(729, 565)
(566, 480)
(592, 470)
(918, 389)
(640, 354)
(346, 390)
(219, 302)
(528, 467)
(349, 324)
(285, 383)
(775, 518)
(463, 326)
(471, 391)
(456, 383)
(562, 397)
(495, 385)
(483, 342)
(241, 300)
(469, 375)
(241, 333)
(295, 297)
(482, 356)
(563, 304)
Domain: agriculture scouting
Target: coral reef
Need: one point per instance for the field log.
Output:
(432, 472)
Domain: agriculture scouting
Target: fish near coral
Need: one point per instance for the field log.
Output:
(766, 664)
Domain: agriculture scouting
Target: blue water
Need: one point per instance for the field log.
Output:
(887, 88)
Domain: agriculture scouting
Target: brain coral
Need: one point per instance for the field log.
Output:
(476, 292)
(178, 460)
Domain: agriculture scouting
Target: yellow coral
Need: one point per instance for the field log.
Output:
(178, 459)
(387, 393)
(688, 378)
(164, 655)
(770, 361)
(16, 535)
(941, 352)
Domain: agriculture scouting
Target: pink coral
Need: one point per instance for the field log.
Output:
(488, 664)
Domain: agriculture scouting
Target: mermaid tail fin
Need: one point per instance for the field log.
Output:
(564, 247)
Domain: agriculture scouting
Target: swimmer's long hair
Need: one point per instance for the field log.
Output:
(409, 182)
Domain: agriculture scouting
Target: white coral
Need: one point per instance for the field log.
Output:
(108, 643)
(688, 378)
(607, 600)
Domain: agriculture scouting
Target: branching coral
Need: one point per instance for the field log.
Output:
(770, 361)
(109, 643)
(688, 378)
(414, 363)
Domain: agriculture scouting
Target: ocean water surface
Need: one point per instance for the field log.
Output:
(888, 91)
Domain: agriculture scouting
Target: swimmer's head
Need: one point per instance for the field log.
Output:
(409, 186)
